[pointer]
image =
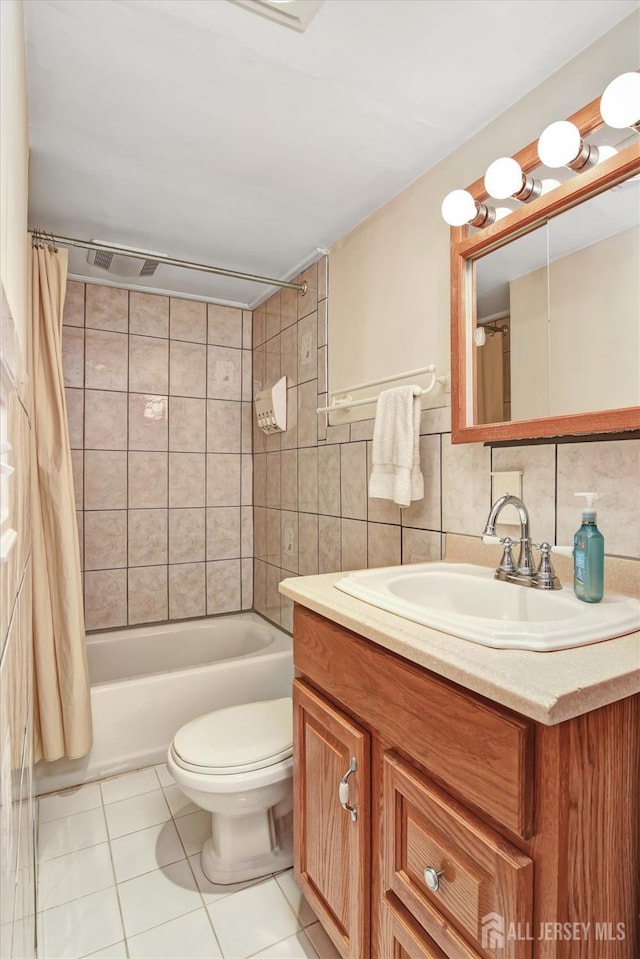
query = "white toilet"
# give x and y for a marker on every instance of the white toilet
(237, 764)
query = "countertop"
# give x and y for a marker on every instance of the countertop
(548, 687)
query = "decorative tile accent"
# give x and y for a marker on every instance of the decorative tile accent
(308, 349)
(224, 373)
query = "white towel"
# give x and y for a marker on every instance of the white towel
(396, 471)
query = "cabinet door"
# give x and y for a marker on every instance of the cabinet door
(331, 842)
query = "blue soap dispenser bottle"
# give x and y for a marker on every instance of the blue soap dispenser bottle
(588, 555)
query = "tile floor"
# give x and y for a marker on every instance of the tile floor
(119, 876)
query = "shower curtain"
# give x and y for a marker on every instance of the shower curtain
(490, 390)
(62, 711)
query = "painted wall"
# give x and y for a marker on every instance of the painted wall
(18, 808)
(158, 399)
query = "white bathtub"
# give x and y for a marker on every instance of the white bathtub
(148, 681)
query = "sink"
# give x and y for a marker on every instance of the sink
(468, 602)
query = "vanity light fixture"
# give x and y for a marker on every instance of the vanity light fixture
(620, 102)
(504, 178)
(560, 144)
(459, 209)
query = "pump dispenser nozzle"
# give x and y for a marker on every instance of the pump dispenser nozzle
(589, 507)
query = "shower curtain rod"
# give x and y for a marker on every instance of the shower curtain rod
(168, 260)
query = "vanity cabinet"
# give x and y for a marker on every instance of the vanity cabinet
(470, 832)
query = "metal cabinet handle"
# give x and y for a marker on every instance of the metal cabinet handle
(432, 878)
(343, 790)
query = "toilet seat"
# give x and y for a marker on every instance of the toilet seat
(236, 739)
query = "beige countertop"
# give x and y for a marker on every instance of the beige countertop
(548, 687)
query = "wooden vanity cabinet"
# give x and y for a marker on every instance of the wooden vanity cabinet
(467, 831)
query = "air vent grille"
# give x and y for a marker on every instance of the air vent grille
(149, 267)
(103, 259)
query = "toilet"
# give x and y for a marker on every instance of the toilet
(237, 763)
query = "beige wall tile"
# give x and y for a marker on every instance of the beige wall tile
(148, 480)
(75, 416)
(187, 425)
(338, 434)
(107, 308)
(246, 531)
(289, 439)
(105, 598)
(272, 360)
(420, 546)
(224, 325)
(105, 420)
(148, 365)
(307, 415)
(260, 586)
(106, 361)
(273, 315)
(223, 532)
(149, 314)
(309, 302)
(148, 422)
(425, 513)
(247, 376)
(247, 342)
(308, 349)
(274, 606)
(288, 308)
(289, 354)
(259, 325)
(289, 540)
(329, 480)
(466, 490)
(188, 320)
(274, 479)
(274, 537)
(105, 480)
(105, 539)
(308, 544)
(322, 371)
(289, 479)
(260, 532)
(187, 591)
(73, 356)
(384, 510)
(260, 479)
(223, 479)
(247, 428)
(246, 481)
(329, 544)
(286, 610)
(353, 480)
(73, 314)
(323, 277)
(223, 586)
(224, 426)
(354, 544)
(322, 323)
(538, 466)
(308, 480)
(147, 537)
(246, 567)
(77, 467)
(186, 479)
(80, 525)
(436, 420)
(224, 373)
(188, 369)
(383, 545)
(148, 594)
(187, 535)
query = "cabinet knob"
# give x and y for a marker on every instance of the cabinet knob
(432, 878)
(343, 791)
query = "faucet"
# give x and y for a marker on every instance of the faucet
(524, 571)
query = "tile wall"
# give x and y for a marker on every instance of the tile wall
(17, 803)
(311, 509)
(159, 405)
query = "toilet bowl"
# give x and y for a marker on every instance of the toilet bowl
(237, 764)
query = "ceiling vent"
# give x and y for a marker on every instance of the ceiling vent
(125, 266)
(295, 14)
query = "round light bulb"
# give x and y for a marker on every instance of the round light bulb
(502, 211)
(559, 144)
(620, 102)
(458, 208)
(606, 152)
(480, 336)
(548, 184)
(503, 178)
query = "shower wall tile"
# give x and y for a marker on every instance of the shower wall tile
(73, 314)
(224, 325)
(308, 348)
(73, 356)
(77, 468)
(289, 540)
(223, 586)
(260, 532)
(329, 480)
(246, 532)
(187, 320)
(308, 480)
(274, 495)
(187, 591)
(148, 364)
(148, 532)
(186, 479)
(148, 421)
(247, 376)
(289, 479)
(187, 535)
(329, 544)
(105, 598)
(260, 479)
(223, 479)
(322, 324)
(307, 416)
(148, 594)
(224, 373)
(260, 586)
(274, 605)
(224, 421)
(274, 537)
(107, 308)
(105, 539)
(149, 314)
(288, 308)
(258, 326)
(308, 544)
(223, 532)
(272, 361)
(106, 364)
(148, 480)
(105, 480)
(188, 369)
(105, 420)
(246, 566)
(246, 481)
(289, 354)
(272, 315)
(246, 330)
(308, 303)
(187, 424)
(247, 428)
(289, 439)
(75, 416)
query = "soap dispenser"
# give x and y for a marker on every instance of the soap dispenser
(588, 555)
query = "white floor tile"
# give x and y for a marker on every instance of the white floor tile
(61, 836)
(74, 875)
(211, 892)
(131, 784)
(80, 927)
(117, 951)
(138, 812)
(295, 947)
(165, 777)
(194, 830)
(252, 920)
(158, 897)
(188, 937)
(178, 802)
(321, 942)
(296, 900)
(145, 850)
(71, 801)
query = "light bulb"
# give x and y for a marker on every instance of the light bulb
(502, 211)
(606, 152)
(549, 183)
(458, 208)
(620, 102)
(559, 144)
(480, 336)
(503, 178)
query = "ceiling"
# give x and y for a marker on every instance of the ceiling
(196, 129)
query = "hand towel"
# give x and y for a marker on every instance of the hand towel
(396, 471)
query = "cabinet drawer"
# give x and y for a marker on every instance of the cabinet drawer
(407, 940)
(482, 879)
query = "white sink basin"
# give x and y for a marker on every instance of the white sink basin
(468, 602)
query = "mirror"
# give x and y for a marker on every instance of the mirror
(546, 303)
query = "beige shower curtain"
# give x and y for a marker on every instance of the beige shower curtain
(61, 683)
(490, 392)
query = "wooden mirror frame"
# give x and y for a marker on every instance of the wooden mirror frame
(467, 247)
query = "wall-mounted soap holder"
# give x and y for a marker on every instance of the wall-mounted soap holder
(271, 407)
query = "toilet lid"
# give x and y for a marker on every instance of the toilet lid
(238, 738)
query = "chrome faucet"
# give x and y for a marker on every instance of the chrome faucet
(523, 571)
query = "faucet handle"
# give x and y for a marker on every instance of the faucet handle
(545, 574)
(507, 563)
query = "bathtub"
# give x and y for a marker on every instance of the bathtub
(148, 681)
